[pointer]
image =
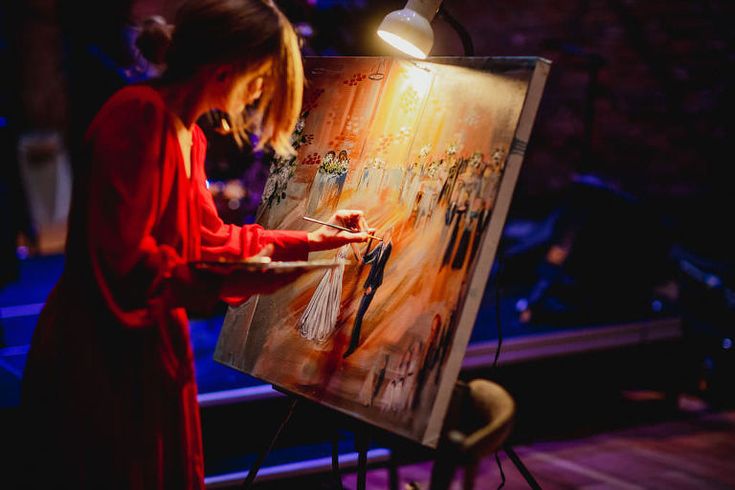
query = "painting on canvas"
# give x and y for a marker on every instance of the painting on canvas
(431, 152)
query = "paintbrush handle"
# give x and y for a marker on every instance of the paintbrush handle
(332, 225)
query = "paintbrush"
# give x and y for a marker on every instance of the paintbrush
(339, 227)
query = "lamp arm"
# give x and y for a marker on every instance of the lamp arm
(464, 35)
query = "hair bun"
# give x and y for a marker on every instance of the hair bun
(154, 39)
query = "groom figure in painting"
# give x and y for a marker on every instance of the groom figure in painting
(377, 258)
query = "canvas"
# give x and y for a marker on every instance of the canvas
(430, 151)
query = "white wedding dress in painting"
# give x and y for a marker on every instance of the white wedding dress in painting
(320, 316)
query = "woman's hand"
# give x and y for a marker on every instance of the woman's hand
(239, 285)
(326, 238)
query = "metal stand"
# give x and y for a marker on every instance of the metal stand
(362, 442)
(264, 454)
(522, 468)
(335, 461)
(393, 478)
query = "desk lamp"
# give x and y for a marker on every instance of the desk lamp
(409, 29)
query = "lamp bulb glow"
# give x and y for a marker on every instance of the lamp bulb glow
(401, 44)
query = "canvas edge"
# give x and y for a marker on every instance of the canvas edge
(244, 313)
(489, 246)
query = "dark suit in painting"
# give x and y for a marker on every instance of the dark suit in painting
(480, 228)
(377, 258)
(458, 217)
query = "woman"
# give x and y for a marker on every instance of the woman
(109, 389)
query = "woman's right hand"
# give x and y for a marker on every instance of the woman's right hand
(327, 238)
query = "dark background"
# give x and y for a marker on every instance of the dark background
(640, 93)
(628, 173)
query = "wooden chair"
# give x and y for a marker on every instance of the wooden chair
(479, 420)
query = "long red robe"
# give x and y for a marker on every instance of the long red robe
(109, 387)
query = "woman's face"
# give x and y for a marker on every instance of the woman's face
(245, 88)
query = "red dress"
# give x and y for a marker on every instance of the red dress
(109, 388)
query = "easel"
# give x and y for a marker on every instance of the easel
(293, 403)
(362, 443)
(447, 457)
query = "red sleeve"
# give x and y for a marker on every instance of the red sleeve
(236, 242)
(126, 143)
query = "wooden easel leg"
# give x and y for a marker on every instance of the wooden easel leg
(393, 478)
(362, 442)
(335, 461)
(470, 473)
(264, 454)
(442, 472)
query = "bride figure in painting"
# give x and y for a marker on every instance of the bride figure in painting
(320, 316)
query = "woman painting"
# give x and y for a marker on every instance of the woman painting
(109, 390)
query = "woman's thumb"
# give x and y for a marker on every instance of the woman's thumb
(265, 252)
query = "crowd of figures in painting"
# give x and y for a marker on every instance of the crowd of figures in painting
(458, 190)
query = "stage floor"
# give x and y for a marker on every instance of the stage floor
(690, 451)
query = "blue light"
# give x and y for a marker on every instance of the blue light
(712, 281)
(22, 252)
(727, 343)
(207, 183)
(522, 304)
(656, 305)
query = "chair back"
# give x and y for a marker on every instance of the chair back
(479, 420)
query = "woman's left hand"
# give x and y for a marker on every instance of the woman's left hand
(326, 238)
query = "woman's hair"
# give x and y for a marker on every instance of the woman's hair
(245, 34)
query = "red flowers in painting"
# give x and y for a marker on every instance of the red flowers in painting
(312, 159)
(356, 78)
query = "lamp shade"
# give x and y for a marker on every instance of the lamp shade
(409, 29)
